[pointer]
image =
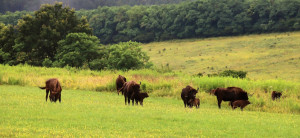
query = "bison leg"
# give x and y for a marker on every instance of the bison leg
(47, 92)
(219, 103)
(125, 99)
(60, 98)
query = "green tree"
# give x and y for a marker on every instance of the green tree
(7, 37)
(127, 55)
(38, 35)
(78, 49)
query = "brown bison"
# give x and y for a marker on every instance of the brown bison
(54, 87)
(131, 90)
(194, 102)
(119, 83)
(140, 98)
(240, 103)
(276, 95)
(187, 94)
(230, 94)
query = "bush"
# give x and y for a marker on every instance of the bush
(233, 73)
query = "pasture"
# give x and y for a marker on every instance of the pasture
(24, 113)
(263, 56)
(158, 84)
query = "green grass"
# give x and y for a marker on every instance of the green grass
(158, 84)
(265, 56)
(24, 113)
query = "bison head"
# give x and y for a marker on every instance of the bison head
(212, 92)
(136, 88)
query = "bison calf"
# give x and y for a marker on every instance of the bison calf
(194, 102)
(54, 87)
(140, 98)
(276, 95)
(240, 103)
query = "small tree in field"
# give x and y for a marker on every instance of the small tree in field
(127, 55)
(77, 49)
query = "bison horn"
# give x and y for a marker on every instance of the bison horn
(140, 83)
(197, 89)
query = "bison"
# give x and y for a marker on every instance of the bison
(240, 103)
(187, 94)
(230, 94)
(54, 87)
(119, 83)
(131, 90)
(194, 102)
(140, 98)
(276, 95)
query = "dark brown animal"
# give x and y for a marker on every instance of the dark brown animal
(187, 94)
(131, 90)
(140, 98)
(276, 95)
(230, 94)
(119, 83)
(54, 87)
(240, 103)
(194, 102)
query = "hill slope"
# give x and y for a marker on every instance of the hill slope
(266, 56)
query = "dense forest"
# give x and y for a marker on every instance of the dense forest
(38, 37)
(30, 5)
(54, 36)
(186, 20)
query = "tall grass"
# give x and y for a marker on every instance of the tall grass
(264, 56)
(158, 84)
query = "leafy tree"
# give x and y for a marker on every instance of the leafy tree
(7, 37)
(78, 49)
(127, 55)
(38, 35)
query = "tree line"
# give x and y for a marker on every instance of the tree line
(54, 36)
(31, 5)
(193, 19)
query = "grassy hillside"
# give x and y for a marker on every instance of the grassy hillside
(24, 113)
(266, 56)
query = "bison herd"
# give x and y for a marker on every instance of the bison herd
(236, 96)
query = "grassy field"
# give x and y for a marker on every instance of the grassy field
(159, 84)
(24, 113)
(265, 56)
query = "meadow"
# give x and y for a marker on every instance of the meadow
(91, 107)
(82, 113)
(159, 84)
(263, 56)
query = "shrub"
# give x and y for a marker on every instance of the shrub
(233, 73)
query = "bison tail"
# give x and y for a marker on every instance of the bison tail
(42, 87)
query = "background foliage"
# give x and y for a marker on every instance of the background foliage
(188, 19)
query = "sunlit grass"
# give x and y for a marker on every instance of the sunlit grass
(265, 56)
(158, 84)
(24, 113)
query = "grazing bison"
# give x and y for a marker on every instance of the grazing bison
(131, 90)
(140, 98)
(119, 83)
(276, 95)
(240, 103)
(187, 94)
(194, 102)
(54, 87)
(230, 94)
